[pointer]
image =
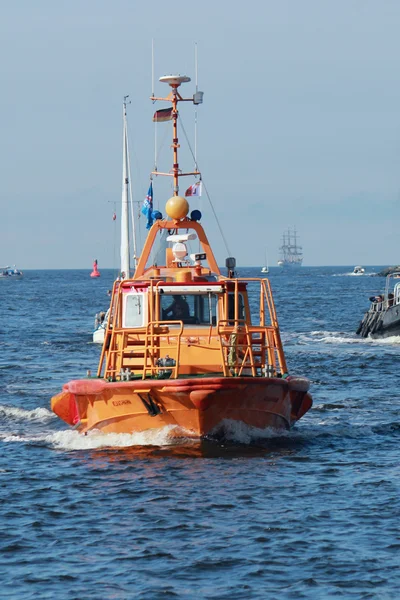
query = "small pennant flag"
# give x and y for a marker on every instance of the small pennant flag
(194, 190)
(165, 114)
(147, 208)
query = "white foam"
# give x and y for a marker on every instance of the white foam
(329, 337)
(21, 414)
(392, 340)
(236, 431)
(73, 440)
(352, 274)
(338, 337)
(13, 438)
(70, 439)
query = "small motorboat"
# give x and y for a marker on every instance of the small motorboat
(181, 347)
(358, 270)
(10, 272)
(382, 319)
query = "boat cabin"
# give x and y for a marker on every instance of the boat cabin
(192, 318)
(198, 305)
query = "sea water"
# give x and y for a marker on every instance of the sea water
(311, 513)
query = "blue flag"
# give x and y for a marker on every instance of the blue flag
(147, 208)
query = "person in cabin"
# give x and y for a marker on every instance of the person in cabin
(178, 309)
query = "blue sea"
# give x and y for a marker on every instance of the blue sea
(312, 513)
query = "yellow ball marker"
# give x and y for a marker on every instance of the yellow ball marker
(177, 207)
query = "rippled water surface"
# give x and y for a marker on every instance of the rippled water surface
(313, 513)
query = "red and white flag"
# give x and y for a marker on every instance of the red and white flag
(194, 190)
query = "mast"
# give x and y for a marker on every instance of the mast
(174, 81)
(135, 256)
(125, 267)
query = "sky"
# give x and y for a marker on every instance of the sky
(300, 125)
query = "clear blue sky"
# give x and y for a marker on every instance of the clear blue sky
(300, 124)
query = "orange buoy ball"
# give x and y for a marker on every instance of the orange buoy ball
(177, 207)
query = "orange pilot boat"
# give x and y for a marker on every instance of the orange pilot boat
(181, 347)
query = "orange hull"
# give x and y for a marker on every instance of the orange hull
(197, 406)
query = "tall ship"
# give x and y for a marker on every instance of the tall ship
(182, 349)
(291, 252)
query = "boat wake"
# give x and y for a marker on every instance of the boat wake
(232, 438)
(21, 414)
(73, 440)
(237, 432)
(340, 337)
(229, 431)
(351, 274)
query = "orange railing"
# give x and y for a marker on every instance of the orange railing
(246, 349)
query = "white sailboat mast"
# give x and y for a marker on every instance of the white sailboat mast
(125, 267)
(131, 208)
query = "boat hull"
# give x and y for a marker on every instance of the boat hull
(380, 324)
(197, 407)
(389, 324)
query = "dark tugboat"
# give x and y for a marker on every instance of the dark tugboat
(382, 319)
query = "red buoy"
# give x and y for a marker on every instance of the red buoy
(95, 272)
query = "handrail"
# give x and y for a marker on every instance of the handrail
(149, 347)
(241, 350)
(243, 346)
(114, 310)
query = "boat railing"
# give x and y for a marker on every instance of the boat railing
(154, 350)
(111, 317)
(249, 350)
(266, 336)
(150, 351)
(382, 305)
(376, 306)
(159, 339)
(265, 299)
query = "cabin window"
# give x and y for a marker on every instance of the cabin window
(192, 309)
(231, 307)
(133, 314)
